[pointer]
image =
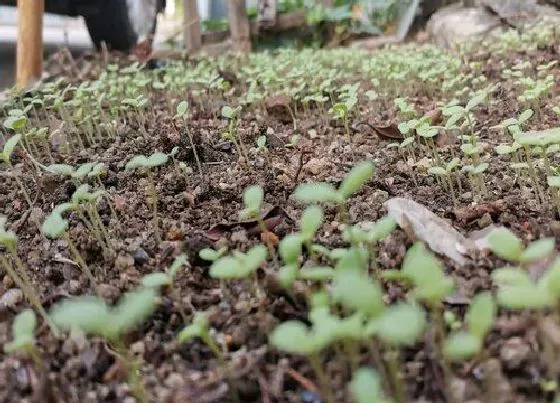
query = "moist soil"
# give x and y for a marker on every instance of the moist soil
(191, 205)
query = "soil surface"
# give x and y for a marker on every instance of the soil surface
(200, 209)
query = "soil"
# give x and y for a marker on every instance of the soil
(78, 368)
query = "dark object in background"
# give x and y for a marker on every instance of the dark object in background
(118, 23)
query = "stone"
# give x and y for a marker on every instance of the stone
(453, 24)
(140, 256)
(11, 298)
(514, 353)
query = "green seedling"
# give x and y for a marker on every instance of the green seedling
(311, 193)
(554, 186)
(480, 317)
(290, 250)
(166, 279)
(6, 155)
(232, 116)
(19, 275)
(55, 226)
(147, 164)
(366, 387)
(86, 199)
(182, 112)
(311, 220)
(199, 328)
(94, 317)
(446, 172)
(23, 339)
(212, 255)
(506, 245)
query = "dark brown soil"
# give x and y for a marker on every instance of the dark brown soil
(82, 369)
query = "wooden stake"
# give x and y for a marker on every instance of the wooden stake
(192, 34)
(30, 41)
(239, 26)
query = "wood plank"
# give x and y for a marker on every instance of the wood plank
(192, 30)
(29, 57)
(239, 26)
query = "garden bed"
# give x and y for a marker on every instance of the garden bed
(278, 121)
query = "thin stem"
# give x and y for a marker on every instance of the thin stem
(317, 366)
(78, 257)
(153, 194)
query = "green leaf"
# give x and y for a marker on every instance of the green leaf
(15, 122)
(476, 100)
(156, 280)
(481, 314)
(209, 254)
(138, 161)
(356, 291)
(366, 386)
(61, 169)
(24, 324)
(89, 314)
(440, 171)
(54, 225)
(261, 142)
(198, 328)
(381, 229)
(461, 346)
(290, 248)
(134, 308)
(311, 221)
(9, 147)
(83, 170)
(253, 198)
(227, 268)
(524, 297)
(525, 116)
(228, 112)
(157, 159)
(177, 264)
(505, 244)
(317, 193)
(182, 108)
(401, 324)
(287, 275)
(318, 273)
(480, 168)
(553, 181)
(538, 250)
(255, 257)
(293, 337)
(513, 276)
(453, 110)
(503, 149)
(356, 178)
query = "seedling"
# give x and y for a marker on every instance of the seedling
(211, 254)
(480, 317)
(147, 164)
(232, 115)
(446, 172)
(6, 155)
(166, 279)
(182, 112)
(94, 317)
(19, 275)
(55, 226)
(366, 387)
(23, 339)
(506, 245)
(311, 193)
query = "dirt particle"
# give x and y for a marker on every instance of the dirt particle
(140, 256)
(11, 298)
(514, 353)
(124, 262)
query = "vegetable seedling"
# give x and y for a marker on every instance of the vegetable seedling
(506, 245)
(94, 317)
(166, 279)
(182, 111)
(23, 339)
(6, 155)
(147, 164)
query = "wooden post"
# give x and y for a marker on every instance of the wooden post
(239, 26)
(29, 59)
(192, 34)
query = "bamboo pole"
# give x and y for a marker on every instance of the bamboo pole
(239, 26)
(192, 32)
(29, 58)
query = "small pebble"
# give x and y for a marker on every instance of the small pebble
(514, 353)
(11, 298)
(308, 396)
(141, 256)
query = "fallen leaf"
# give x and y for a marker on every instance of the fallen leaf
(437, 233)
(271, 220)
(269, 238)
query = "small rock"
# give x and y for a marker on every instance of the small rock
(138, 348)
(239, 236)
(74, 287)
(122, 263)
(485, 220)
(109, 292)
(514, 353)
(11, 298)
(7, 281)
(140, 256)
(309, 396)
(175, 381)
